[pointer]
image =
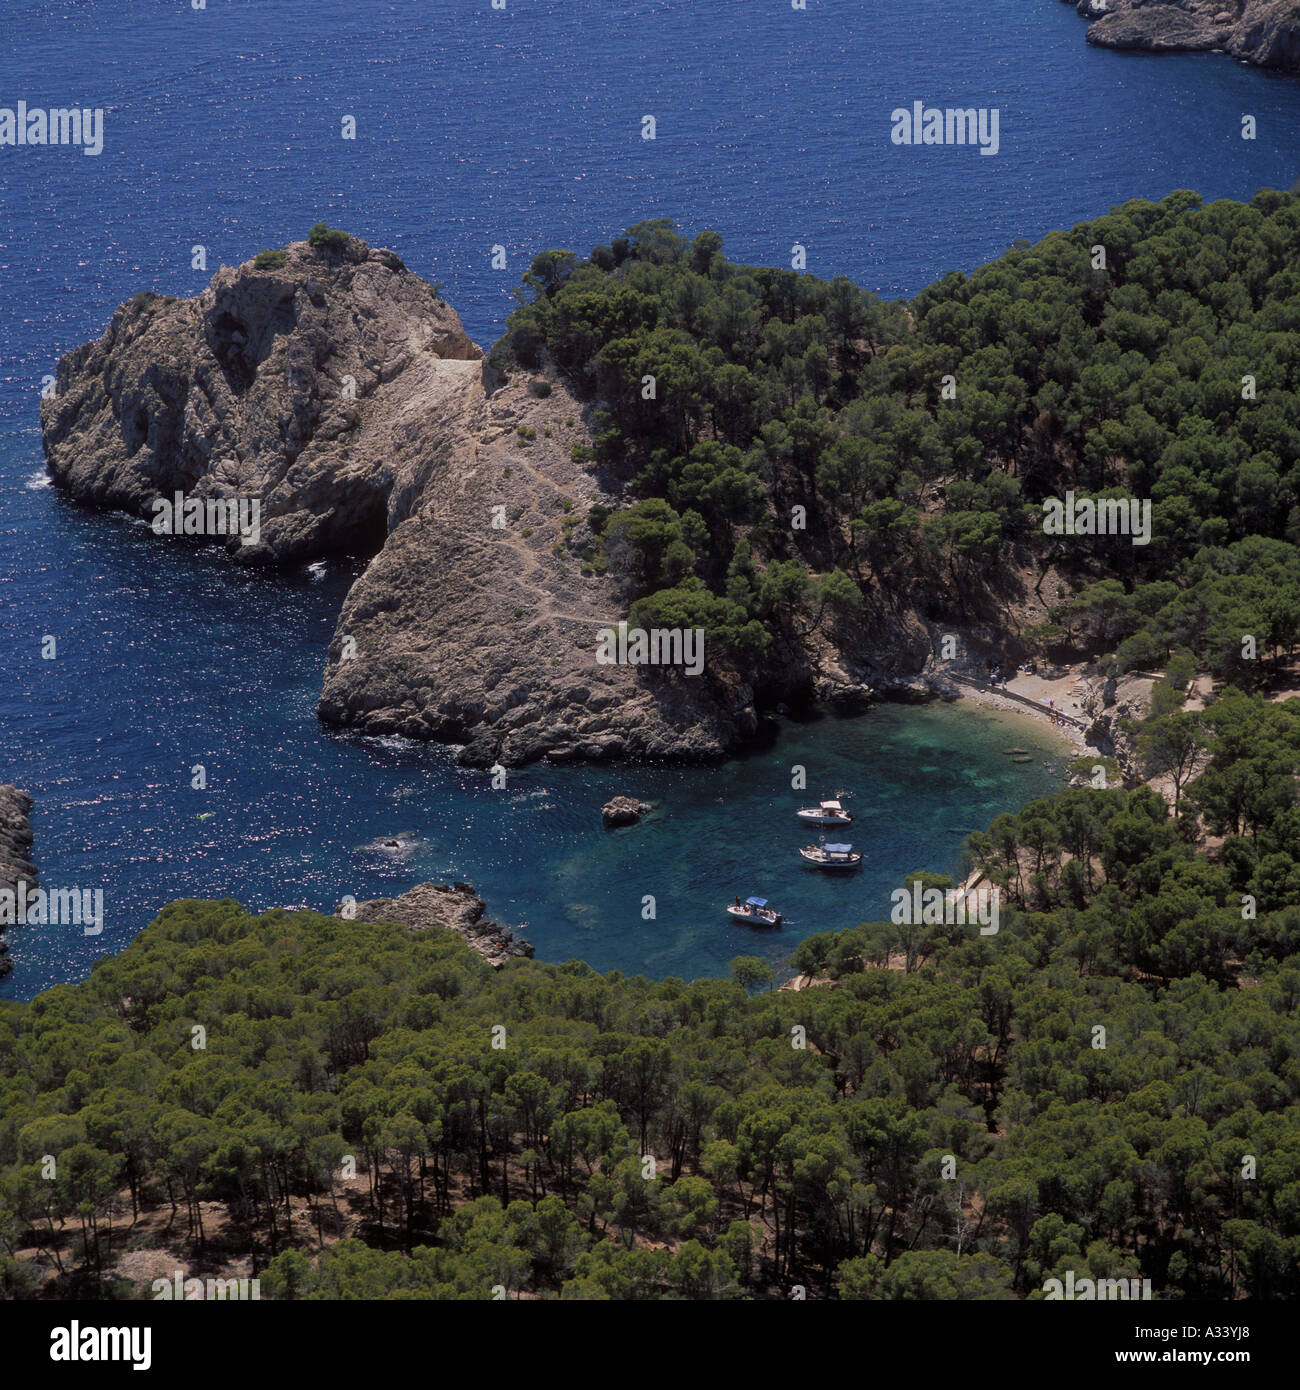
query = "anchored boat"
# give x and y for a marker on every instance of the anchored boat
(825, 813)
(756, 911)
(824, 856)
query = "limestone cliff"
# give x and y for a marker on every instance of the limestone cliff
(1263, 32)
(340, 391)
(286, 385)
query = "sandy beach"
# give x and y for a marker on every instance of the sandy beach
(1061, 693)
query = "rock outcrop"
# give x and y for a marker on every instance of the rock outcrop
(15, 851)
(287, 385)
(456, 907)
(1115, 706)
(1263, 32)
(335, 387)
(623, 810)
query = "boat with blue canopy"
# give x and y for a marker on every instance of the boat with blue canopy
(756, 911)
(824, 856)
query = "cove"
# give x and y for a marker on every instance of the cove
(170, 657)
(167, 657)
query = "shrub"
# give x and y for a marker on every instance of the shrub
(323, 238)
(392, 260)
(270, 260)
(540, 388)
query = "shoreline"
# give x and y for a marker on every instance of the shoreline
(1068, 734)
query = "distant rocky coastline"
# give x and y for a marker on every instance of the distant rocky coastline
(15, 851)
(456, 907)
(1263, 32)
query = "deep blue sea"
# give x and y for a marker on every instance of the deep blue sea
(520, 127)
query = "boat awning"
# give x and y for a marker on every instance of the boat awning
(831, 806)
(755, 902)
(839, 849)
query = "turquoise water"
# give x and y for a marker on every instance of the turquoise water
(172, 659)
(519, 127)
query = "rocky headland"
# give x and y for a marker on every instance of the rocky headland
(1263, 32)
(457, 908)
(336, 387)
(15, 851)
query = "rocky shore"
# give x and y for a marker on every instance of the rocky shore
(1263, 32)
(15, 851)
(456, 907)
(336, 388)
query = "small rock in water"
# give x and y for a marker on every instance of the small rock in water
(624, 810)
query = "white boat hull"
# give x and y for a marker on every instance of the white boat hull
(851, 862)
(753, 919)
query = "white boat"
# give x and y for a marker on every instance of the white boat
(825, 813)
(754, 910)
(824, 856)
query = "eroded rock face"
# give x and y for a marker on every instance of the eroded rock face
(340, 392)
(1263, 32)
(1115, 706)
(15, 852)
(283, 385)
(475, 624)
(456, 907)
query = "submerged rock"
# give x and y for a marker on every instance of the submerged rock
(456, 907)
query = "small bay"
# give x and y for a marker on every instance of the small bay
(170, 658)
(518, 128)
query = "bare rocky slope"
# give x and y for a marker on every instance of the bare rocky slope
(1263, 32)
(15, 851)
(457, 908)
